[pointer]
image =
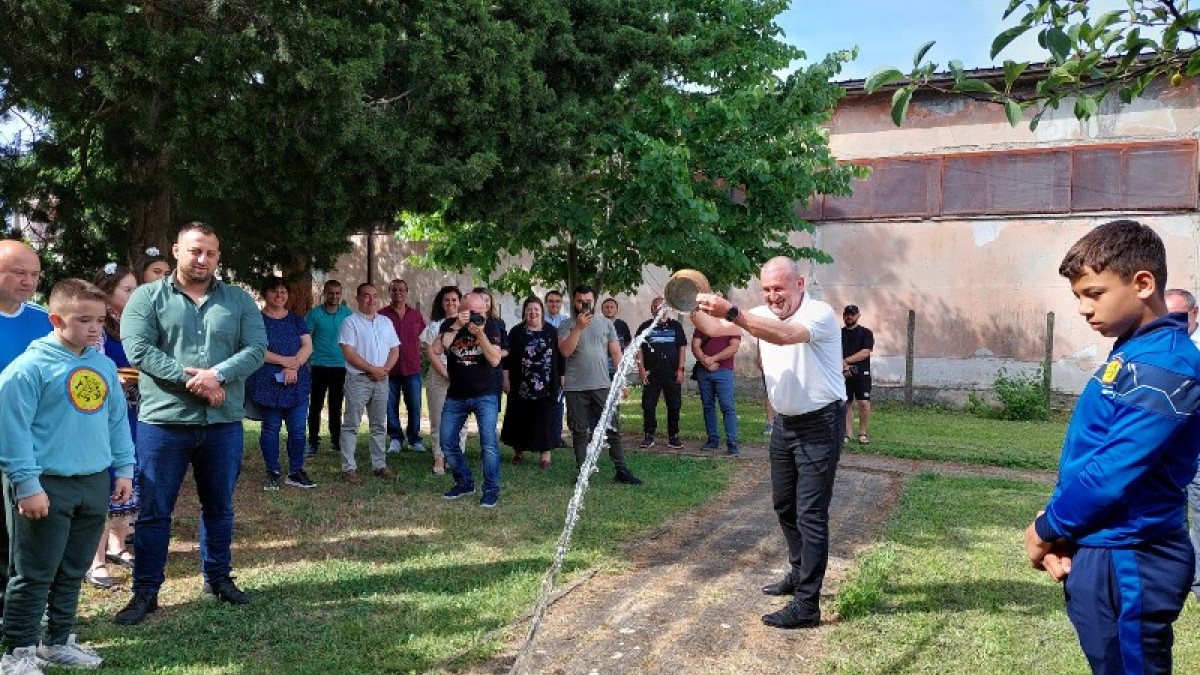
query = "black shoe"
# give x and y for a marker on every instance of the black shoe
(793, 616)
(623, 476)
(785, 586)
(137, 609)
(223, 589)
(674, 443)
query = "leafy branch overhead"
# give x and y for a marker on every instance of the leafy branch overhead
(1090, 55)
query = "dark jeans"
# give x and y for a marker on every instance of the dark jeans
(670, 388)
(454, 418)
(1193, 497)
(268, 438)
(408, 388)
(164, 453)
(332, 380)
(583, 414)
(51, 555)
(804, 454)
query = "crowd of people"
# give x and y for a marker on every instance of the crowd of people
(172, 360)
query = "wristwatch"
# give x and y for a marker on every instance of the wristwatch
(218, 376)
(732, 315)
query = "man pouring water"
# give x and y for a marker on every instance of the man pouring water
(800, 342)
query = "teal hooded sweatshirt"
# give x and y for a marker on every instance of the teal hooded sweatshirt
(61, 414)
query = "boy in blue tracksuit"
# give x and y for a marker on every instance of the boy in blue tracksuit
(1115, 528)
(64, 424)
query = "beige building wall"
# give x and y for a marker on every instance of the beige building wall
(981, 287)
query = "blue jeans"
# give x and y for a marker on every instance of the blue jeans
(454, 416)
(716, 387)
(268, 438)
(408, 387)
(164, 453)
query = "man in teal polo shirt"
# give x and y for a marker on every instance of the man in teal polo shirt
(328, 365)
(195, 340)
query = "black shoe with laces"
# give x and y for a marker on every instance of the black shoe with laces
(138, 608)
(623, 476)
(300, 479)
(224, 590)
(794, 615)
(674, 443)
(785, 586)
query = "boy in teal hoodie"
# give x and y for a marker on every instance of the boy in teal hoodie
(64, 425)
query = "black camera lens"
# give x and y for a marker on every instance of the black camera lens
(477, 318)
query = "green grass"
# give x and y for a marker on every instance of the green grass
(948, 590)
(899, 431)
(384, 577)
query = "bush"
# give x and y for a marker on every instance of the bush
(1022, 397)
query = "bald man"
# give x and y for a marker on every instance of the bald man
(801, 349)
(21, 322)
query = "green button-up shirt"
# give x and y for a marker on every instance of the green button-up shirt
(163, 331)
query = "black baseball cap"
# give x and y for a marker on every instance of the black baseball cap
(850, 309)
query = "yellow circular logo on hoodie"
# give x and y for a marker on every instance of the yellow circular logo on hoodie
(86, 388)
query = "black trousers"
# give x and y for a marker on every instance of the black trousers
(804, 454)
(331, 380)
(670, 388)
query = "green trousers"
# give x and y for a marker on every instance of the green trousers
(50, 556)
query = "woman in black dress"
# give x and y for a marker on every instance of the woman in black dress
(532, 378)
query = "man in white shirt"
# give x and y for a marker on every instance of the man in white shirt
(371, 347)
(801, 350)
(1181, 301)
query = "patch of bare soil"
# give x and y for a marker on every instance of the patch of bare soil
(691, 597)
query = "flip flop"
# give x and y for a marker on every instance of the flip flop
(101, 581)
(863, 440)
(123, 558)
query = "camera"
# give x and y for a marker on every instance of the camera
(586, 307)
(477, 319)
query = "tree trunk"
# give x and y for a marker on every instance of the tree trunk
(299, 280)
(153, 215)
(572, 270)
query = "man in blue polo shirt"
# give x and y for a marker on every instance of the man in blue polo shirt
(21, 322)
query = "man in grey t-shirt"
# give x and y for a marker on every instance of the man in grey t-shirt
(587, 341)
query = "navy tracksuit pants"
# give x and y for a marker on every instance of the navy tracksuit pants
(1123, 601)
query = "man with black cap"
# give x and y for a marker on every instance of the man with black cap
(857, 343)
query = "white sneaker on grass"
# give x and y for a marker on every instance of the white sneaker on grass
(394, 446)
(69, 655)
(22, 661)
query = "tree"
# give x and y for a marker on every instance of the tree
(1091, 55)
(702, 163)
(290, 126)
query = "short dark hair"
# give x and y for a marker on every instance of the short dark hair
(583, 289)
(1125, 247)
(331, 282)
(270, 283)
(358, 291)
(612, 300)
(553, 292)
(69, 291)
(197, 226)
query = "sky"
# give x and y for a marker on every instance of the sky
(889, 32)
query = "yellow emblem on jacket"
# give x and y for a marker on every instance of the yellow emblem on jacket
(1110, 371)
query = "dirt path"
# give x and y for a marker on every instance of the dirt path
(690, 599)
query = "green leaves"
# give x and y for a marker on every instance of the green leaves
(1012, 110)
(882, 77)
(1004, 39)
(900, 101)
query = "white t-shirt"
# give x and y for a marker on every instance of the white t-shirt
(805, 377)
(433, 331)
(1195, 336)
(371, 338)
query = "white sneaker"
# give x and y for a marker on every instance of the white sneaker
(394, 446)
(22, 661)
(69, 655)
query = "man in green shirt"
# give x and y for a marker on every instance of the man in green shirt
(195, 340)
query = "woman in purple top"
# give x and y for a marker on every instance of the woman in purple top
(280, 388)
